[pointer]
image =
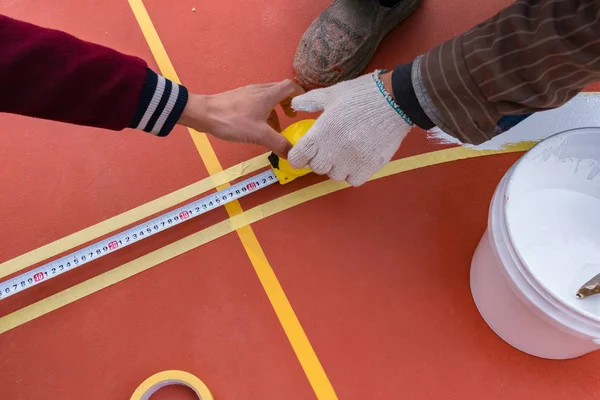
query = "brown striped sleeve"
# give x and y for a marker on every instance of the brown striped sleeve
(534, 55)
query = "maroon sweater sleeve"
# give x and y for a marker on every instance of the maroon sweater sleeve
(50, 74)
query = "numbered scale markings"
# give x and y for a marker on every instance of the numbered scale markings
(135, 234)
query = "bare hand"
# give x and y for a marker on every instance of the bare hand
(244, 115)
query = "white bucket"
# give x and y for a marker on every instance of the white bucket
(542, 243)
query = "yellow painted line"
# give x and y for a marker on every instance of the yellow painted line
(131, 216)
(168, 71)
(237, 222)
(151, 35)
(207, 154)
(283, 309)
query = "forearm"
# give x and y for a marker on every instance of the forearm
(50, 74)
(534, 55)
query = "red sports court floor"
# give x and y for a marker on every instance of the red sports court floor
(374, 299)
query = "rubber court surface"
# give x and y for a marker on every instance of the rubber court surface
(363, 293)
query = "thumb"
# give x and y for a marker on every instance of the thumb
(306, 149)
(275, 142)
(313, 101)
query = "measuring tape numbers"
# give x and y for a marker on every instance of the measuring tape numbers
(135, 234)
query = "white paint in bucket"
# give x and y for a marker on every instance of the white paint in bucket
(541, 245)
(556, 232)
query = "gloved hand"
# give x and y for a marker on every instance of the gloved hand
(357, 134)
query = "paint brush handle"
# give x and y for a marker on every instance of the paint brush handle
(590, 288)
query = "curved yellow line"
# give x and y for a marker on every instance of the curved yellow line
(223, 228)
(158, 205)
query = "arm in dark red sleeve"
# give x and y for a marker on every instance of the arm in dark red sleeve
(49, 74)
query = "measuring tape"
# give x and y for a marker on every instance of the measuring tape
(280, 171)
(135, 234)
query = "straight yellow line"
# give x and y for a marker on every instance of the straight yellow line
(151, 35)
(283, 309)
(289, 321)
(131, 216)
(168, 71)
(237, 222)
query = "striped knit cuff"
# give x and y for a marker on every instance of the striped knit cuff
(160, 106)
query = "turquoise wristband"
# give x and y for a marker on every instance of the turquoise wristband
(389, 97)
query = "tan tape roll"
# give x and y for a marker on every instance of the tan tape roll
(172, 377)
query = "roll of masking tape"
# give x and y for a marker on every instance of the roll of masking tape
(167, 378)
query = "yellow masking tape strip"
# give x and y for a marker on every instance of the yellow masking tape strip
(129, 217)
(172, 377)
(308, 359)
(255, 214)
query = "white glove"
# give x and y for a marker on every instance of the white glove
(357, 134)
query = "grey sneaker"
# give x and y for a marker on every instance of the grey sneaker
(341, 41)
